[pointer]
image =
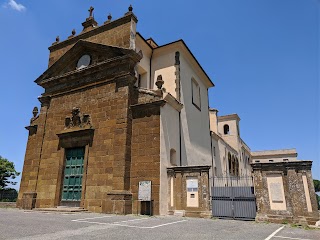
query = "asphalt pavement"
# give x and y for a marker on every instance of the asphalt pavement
(33, 225)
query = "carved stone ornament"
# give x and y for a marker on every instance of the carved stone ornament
(77, 119)
(159, 82)
(35, 114)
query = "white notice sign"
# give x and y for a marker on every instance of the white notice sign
(144, 191)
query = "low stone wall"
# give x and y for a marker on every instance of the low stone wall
(7, 204)
(188, 188)
(285, 192)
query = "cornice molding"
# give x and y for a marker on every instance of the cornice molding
(282, 166)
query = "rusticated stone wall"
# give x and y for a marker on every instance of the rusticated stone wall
(177, 190)
(97, 108)
(33, 154)
(108, 107)
(285, 192)
(145, 152)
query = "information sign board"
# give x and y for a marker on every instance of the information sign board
(144, 191)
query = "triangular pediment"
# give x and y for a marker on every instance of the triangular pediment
(69, 62)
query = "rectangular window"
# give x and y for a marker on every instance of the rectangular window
(196, 97)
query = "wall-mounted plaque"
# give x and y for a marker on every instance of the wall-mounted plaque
(144, 191)
(276, 192)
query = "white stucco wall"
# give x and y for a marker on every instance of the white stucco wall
(169, 139)
(245, 163)
(279, 155)
(196, 147)
(233, 137)
(268, 159)
(213, 121)
(144, 64)
(163, 64)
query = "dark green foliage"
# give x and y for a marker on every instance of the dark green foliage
(316, 185)
(7, 173)
(8, 195)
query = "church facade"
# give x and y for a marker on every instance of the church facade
(116, 112)
(119, 111)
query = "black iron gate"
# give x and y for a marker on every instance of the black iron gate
(233, 197)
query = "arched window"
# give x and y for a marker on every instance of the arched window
(233, 165)
(229, 163)
(237, 167)
(173, 157)
(226, 129)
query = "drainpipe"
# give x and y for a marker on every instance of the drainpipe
(178, 95)
(180, 145)
(212, 158)
(150, 64)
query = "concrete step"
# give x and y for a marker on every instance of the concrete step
(61, 209)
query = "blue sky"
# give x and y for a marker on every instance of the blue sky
(262, 55)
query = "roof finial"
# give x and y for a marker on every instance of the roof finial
(57, 39)
(130, 8)
(90, 11)
(90, 23)
(73, 33)
(109, 19)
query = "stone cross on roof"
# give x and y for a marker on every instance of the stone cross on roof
(90, 11)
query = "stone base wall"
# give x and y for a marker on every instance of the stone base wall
(283, 219)
(177, 203)
(28, 200)
(145, 153)
(8, 205)
(285, 192)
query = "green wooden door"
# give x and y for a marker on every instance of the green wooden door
(72, 182)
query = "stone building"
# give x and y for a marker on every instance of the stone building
(232, 156)
(120, 112)
(117, 110)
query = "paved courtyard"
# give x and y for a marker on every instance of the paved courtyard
(18, 224)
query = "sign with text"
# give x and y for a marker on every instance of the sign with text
(144, 191)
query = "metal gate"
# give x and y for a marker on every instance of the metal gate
(233, 197)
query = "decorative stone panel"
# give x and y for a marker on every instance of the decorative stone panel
(285, 192)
